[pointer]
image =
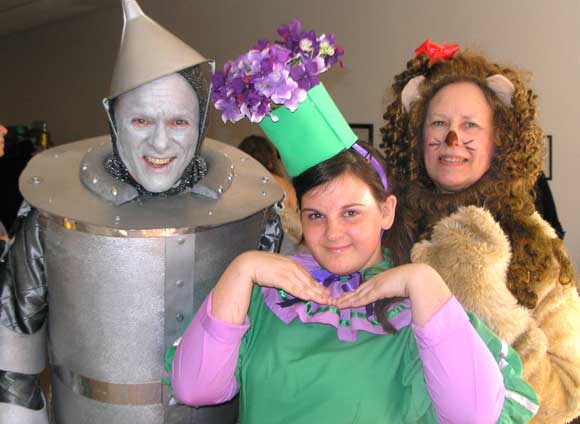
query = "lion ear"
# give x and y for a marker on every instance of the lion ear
(502, 87)
(410, 92)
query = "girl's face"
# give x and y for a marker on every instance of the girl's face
(458, 136)
(342, 224)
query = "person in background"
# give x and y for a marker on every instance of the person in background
(463, 137)
(3, 234)
(264, 152)
(3, 132)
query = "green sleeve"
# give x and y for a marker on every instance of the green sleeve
(521, 402)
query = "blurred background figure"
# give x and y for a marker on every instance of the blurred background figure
(18, 144)
(264, 152)
(3, 132)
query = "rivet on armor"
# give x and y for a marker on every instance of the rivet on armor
(230, 177)
(220, 189)
(95, 180)
(265, 179)
(179, 283)
(180, 240)
(36, 180)
(264, 193)
(232, 166)
(114, 191)
(210, 213)
(85, 166)
(117, 218)
(179, 317)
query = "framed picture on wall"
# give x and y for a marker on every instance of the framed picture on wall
(364, 132)
(548, 159)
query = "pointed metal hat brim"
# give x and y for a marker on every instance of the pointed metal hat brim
(147, 52)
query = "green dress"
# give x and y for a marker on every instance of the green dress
(302, 373)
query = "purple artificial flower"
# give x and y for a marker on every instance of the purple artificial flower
(278, 85)
(218, 79)
(273, 74)
(261, 44)
(298, 96)
(305, 74)
(279, 53)
(256, 112)
(230, 108)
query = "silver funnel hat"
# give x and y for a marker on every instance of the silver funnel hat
(147, 53)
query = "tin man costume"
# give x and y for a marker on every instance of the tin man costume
(122, 242)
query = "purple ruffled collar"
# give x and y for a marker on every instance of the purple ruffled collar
(348, 322)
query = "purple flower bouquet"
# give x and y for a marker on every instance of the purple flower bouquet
(273, 74)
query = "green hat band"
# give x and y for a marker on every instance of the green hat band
(313, 133)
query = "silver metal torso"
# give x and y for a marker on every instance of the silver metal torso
(124, 281)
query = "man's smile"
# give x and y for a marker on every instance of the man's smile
(155, 162)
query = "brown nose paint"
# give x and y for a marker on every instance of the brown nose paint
(451, 138)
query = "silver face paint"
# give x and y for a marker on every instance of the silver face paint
(158, 131)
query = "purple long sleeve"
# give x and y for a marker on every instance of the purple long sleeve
(206, 358)
(462, 377)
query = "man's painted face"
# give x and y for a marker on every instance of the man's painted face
(158, 131)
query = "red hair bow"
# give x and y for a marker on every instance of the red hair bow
(435, 51)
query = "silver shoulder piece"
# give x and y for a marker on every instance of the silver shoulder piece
(236, 187)
(95, 177)
(219, 176)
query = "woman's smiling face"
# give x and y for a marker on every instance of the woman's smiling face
(458, 136)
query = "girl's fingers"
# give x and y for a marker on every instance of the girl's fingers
(299, 283)
(360, 297)
(316, 292)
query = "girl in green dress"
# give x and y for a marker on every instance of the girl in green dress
(350, 332)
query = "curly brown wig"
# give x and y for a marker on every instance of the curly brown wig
(506, 189)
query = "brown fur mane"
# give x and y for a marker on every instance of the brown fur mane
(505, 190)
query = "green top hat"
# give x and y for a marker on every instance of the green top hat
(313, 133)
(276, 84)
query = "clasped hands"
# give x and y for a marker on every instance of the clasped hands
(281, 272)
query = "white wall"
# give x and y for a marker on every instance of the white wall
(60, 72)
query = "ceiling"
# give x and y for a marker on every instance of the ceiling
(20, 15)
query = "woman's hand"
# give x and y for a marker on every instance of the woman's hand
(232, 293)
(421, 283)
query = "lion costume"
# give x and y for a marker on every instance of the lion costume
(497, 255)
